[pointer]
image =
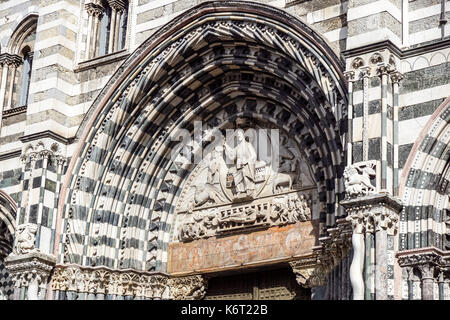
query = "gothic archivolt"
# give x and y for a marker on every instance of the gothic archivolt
(126, 147)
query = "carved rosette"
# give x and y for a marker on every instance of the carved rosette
(188, 288)
(28, 267)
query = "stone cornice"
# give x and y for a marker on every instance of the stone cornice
(373, 199)
(102, 60)
(14, 111)
(10, 155)
(402, 53)
(46, 134)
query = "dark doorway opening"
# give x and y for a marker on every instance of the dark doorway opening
(276, 284)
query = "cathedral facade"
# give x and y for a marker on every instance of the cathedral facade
(172, 149)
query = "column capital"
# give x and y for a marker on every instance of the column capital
(309, 272)
(188, 288)
(373, 213)
(10, 59)
(383, 69)
(349, 75)
(118, 5)
(417, 257)
(94, 10)
(396, 76)
(31, 266)
(365, 71)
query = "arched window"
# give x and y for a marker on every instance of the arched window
(16, 65)
(26, 75)
(107, 25)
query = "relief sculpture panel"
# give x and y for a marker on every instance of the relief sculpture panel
(241, 206)
(233, 189)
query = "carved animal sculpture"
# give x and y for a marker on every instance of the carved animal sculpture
(285, 179)
(356, 183)
(205, 193)
(25, 239)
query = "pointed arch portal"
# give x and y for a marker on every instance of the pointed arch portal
(240, 60)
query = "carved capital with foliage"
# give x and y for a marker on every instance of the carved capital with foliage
(188, 288)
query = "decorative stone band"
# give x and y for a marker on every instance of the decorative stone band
(373, 213)
(430, 255)
(14, 111)
(29, 267)
(127, 282)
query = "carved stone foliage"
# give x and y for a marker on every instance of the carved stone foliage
(373, 213)
(138, 284)
(10, 59)
(312, 271)
(224, 196)
(29, 267)
(357, 179)
(41, 150)
(188, 288)
(106, 281)
(309, 272)
(425, 257)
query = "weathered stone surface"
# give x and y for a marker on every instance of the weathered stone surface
(257, 248)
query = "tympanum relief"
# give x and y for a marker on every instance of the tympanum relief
(234, 188)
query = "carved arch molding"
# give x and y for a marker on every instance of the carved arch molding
(230, 65)
(8, 210)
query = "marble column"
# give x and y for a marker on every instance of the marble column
(365, 71)
(95, 13)
(396, 77)
(372, 213)
(427, 271)
(350, 75)
(425, 263)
